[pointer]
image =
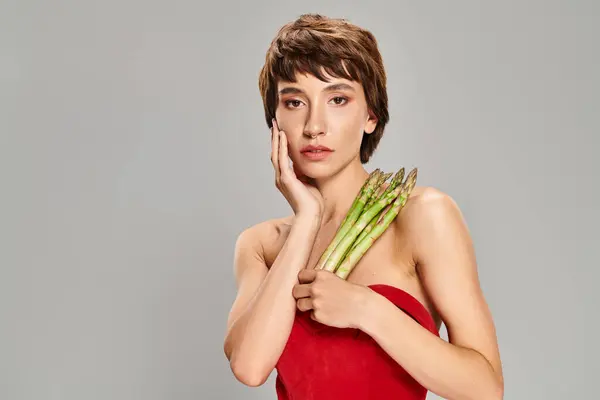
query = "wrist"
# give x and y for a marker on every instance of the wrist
(370, 311)
(312, 219)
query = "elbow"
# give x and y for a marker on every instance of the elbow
(491, 391)
(249, 379)
(244, 369)
(248, 374)
(499, 390)
(497, 394)
(494, 393)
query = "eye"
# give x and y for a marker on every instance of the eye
(343, 99)
(295, 103)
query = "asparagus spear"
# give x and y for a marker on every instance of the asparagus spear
(352, 233)
(352, 215)
(363, 246)
(364, 232)
(380, 189)
(370, 226)
(362, 191)
(396, 180)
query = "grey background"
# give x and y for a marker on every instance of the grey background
(133, 150)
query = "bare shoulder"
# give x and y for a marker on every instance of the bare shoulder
(427, 194)
(265, 237)
(274, 239)
(427, 206)
(426, 199)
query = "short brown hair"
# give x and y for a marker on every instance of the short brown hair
(343, 50)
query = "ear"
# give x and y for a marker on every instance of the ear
(371, 123)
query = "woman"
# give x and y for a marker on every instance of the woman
(375, 334)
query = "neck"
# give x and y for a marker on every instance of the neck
(340, 190)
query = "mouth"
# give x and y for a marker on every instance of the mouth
(316, 155)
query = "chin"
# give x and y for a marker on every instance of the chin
(318, 170)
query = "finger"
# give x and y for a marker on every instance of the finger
(301, 290)
(275, 149)
(304, 304)
(284, 161)
(307, 275)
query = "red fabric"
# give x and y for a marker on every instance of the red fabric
(321, 362)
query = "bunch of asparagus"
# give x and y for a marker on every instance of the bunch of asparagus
(374, 208)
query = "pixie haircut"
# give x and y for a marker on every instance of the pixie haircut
(313, 43)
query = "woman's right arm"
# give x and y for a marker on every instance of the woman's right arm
(262, 315)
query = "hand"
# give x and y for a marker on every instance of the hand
(303, 197)
(333, 300)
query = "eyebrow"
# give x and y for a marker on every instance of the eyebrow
(330, 88)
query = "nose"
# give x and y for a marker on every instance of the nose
(315, 125)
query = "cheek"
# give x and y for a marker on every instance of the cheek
(293, 148)
(351, 120)
(353, 132)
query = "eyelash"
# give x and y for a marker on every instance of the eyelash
(337, 97)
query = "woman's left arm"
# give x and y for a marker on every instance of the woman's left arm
(468, 366)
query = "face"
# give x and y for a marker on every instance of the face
(332, 114)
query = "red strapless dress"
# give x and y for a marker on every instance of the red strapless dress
(321, 362)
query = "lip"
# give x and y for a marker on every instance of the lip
(312, 147)
(309, 153)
